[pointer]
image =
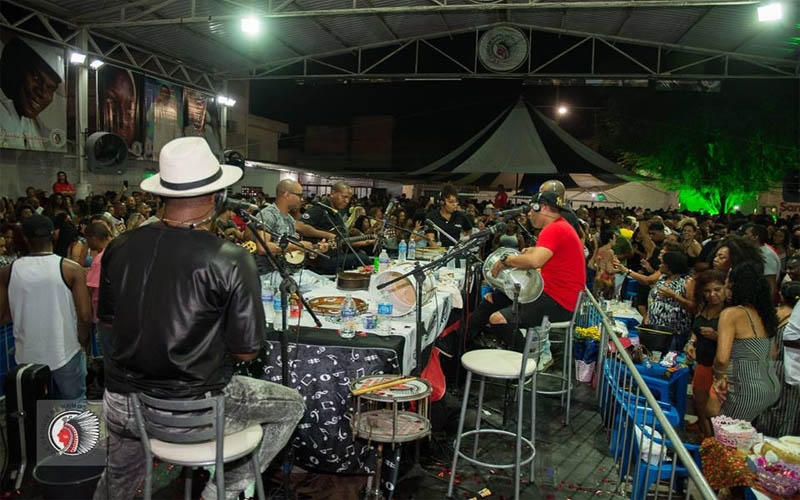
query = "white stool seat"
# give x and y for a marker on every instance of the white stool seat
(236, 445)
(497, 363)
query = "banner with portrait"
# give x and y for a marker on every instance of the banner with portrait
(163, 104)
(201, 119)
(119, 92)
(33, 102)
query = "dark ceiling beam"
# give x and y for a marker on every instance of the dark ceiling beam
(424, 9)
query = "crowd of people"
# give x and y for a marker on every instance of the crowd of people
(724, 286)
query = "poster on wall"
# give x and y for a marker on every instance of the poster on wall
(201, 119)
(163, 104)
(119, 92)
(33, 104)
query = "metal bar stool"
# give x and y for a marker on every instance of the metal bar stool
(506, 365)
(160, 422)
(565, 377)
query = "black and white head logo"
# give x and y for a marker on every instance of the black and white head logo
(74, 432)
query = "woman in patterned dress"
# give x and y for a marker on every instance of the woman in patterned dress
(670, 301)
(745, 380)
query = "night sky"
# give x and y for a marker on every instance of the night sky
(432, 118)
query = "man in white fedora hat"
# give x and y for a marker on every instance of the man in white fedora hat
(178, 300)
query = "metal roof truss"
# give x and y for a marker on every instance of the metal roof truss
(587, 55)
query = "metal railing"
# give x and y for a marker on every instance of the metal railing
(650, 456)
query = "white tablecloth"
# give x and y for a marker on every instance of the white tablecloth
(435, 312)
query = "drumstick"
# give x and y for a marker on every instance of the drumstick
(383, 385)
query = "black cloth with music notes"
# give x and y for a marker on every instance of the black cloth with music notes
(322, 366)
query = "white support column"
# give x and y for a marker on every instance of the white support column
(223, 119)
(82, 114)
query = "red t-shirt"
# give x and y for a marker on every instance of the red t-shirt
(500, 200)
(60, 187)
(564, 274)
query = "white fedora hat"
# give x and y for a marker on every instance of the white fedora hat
(187, 167)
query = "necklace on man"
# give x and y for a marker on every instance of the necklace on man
(189, 224)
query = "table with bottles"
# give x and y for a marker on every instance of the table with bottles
(322, 364)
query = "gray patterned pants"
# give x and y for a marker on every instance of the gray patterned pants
(248, 401)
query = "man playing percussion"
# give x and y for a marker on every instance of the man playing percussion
(559, 255)
(318, 223)
(288, 197)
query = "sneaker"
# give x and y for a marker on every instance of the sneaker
(545, 361)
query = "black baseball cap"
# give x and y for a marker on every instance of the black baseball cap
(547, 198)
(37, 226)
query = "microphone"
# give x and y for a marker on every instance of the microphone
(327, 207)
(235, 204)
(489, 231)
(513, 212)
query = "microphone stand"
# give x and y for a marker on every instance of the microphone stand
(288, 285)
(419, 277)
(343, 238)
(442, 231)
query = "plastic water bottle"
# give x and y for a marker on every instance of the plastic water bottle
(348, 314)
(384, 313)
(412, 249)
(402, 248)
(383, 258)
(266, 300)
(277, 308)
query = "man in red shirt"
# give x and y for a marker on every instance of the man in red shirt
(559, 255)
(501, 198)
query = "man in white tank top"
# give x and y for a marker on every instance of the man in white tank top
(46, 297)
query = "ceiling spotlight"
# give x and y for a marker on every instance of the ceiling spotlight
(770, 12)
(95, 64)
(251, 25)
(77, 58)
(226, 101)
(563, 110)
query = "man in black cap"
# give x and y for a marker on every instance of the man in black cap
(45, 295)
(558, 254)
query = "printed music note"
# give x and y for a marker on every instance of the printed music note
(359, 372)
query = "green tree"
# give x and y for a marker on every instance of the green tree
(717, 148)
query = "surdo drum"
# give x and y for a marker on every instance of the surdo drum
(403, 294)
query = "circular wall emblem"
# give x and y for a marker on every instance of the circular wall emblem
(74, 432)
(58, 138)
(503, 49)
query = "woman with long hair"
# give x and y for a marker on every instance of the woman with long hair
(745, 381)
(63, 185)
(709, 301)
(732, 250)
(781, 418)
